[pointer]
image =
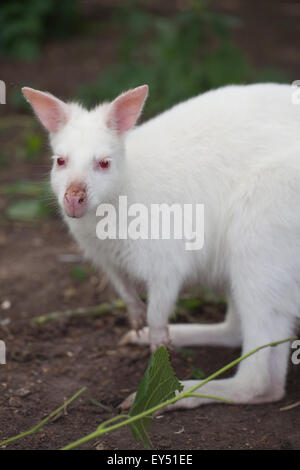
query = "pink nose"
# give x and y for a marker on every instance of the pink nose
(75, 200)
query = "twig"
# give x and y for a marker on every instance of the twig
(44, 421)
(102, 429)
(100, 405)
(96, 310)
(101, 309)
(290, 407)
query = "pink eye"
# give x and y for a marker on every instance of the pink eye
(61, 161)
(104, 164)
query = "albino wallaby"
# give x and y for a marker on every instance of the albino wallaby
(236, 150)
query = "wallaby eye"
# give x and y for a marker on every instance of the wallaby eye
(104, 163)
(61, 161)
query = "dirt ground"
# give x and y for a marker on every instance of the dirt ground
(49, 363)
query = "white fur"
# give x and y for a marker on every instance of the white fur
(237, 151)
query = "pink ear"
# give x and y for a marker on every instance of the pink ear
(125, 110)
(52, 112)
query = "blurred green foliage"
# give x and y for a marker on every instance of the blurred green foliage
(4, 160)
(197, 373)
(178, 56)
(35, 202)
(27, 210)
(78, 273)
(33, 146)
(25, 188)
(25, 25)
(81, 273)
(16, 99)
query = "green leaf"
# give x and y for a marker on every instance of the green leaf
(158, 385)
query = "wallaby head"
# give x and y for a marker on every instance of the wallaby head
(88, 146)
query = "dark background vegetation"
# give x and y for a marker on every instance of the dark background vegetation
(91, 51)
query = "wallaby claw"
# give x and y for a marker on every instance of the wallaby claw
(160, 338)
(135, 337)
(138, 324)
(128, 402)
(167, 344)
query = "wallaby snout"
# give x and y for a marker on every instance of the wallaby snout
(75, 200)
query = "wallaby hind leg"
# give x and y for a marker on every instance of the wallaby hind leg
(227, 333)
(261, 377)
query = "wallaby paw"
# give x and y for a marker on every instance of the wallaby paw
(167, 344)
(157, 338)
(135, 337)
(138, 322)
(160, 338)
(128, 402)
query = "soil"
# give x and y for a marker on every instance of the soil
(47, 364)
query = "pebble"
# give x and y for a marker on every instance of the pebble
(6, 304)
(23, 392)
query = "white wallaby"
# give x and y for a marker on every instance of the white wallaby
(237, 151)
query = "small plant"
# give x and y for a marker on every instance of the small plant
(40, 426)
(156, 391)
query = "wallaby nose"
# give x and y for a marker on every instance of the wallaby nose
(75, 200)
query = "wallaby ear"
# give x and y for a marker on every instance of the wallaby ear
(52, 112)
(124, 111)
